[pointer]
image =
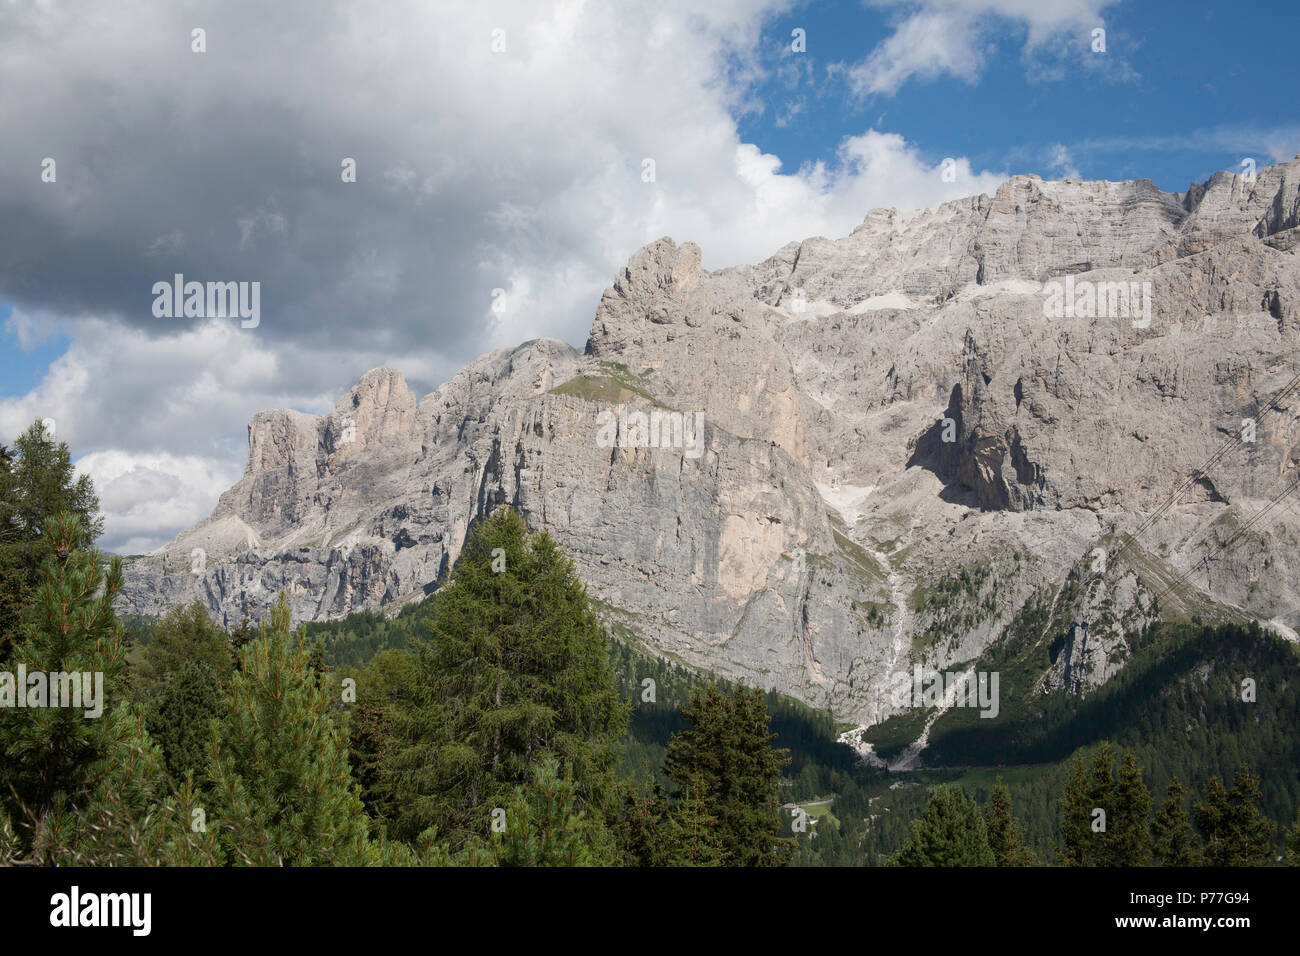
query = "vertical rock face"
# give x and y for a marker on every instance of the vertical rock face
(911, 437)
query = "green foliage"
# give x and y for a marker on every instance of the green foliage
(180, 718)
(184, 634)
(355, 639)
(50, 752)
(543, 825)
(1232, 827)
(1172, 841)
(514, 671)
(281, 789)
(1005, 836)
(1125, 802)
(951, 832)
(37, 482)
(86, 790)
(1293, 844)
(1130, 838)
(725, 759)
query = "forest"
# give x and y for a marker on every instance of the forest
(503, 721)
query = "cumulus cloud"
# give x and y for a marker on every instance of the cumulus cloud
(147, 499)
(519, 171)
(933, 38)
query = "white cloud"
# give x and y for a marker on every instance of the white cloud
(147, 499)
(475, 171)
(953, 37)
(1061, 162)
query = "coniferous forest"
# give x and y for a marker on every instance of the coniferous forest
(499, 722)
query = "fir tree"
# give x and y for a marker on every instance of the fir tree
(1006, 839)
(185, 633)
(951, 832)
(726, 757)
(1130, 838)
(1172, 840)
(515, 671)
(180, 718)
(1234, 830)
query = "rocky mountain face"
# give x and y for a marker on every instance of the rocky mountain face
(1055, 404)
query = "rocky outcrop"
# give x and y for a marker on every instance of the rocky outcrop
(909, 434)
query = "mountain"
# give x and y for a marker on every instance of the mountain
(1069, 402)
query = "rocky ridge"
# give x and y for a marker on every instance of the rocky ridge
(901, 451)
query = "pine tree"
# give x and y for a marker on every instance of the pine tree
(86, 790)
(1129, 836)
(49, 752)
(1172, 840)
(515, 671)
(37, 481)
(1006, 839)
(131, 817)
(726, 756)
(281, 789)
(543, 826)
(951, 832)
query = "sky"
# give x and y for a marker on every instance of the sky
(516, 153)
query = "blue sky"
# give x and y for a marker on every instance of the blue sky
(21, 370)
(1183, 90)
(519, 172)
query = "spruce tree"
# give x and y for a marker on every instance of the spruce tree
(692, 836)
(1172, 841)
(1213, 819)
(951, 832)
(1130, 838)
(185, 633)
(726, 757)
(514, 671)
(1075, 811)
(1293, 844)
(1006, 839)
(282, 792)
(180, 718)
(1101, 795)
(1235, 831)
